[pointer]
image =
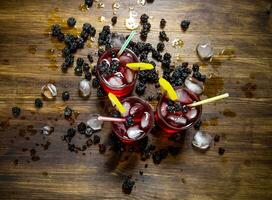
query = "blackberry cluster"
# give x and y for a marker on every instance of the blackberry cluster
(180, 73)
(71, 21)
(160, 46)
(104, 36)
(166, 61)
(140, 88)
(104, 67)
(115, 64)
(38, 103)
(162, 23)
(196, 73)
(148, 76)
(184, 24)
(163, 36)
(173, 107)
(65, 96)
(114, 20)
(16, 111)
(156, 55)
(145, 27)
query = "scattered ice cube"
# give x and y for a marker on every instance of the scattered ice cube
(145, 119)
(177, 119)
(49, 91)
(137, 107)
(184, 96)
(204, 50)
(127, 107)
(85, 87)
(129, 75)
(163, 109)
(115, 81)
(94, 123)
(117, 40)
(202, 140)
(191, 114)
(47, 130)
(194, 85)
(134, 132)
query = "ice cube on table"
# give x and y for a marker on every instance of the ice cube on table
(129, 75)
(145, 120)
(194, 85)
(191, 114)
(177, 119)
(115, 81)
(125, 58)
(134, 132)
(163, 109)
(202, 140)
(127, 107)
(94, 123)
(184, 97)
(136, 108)
(204, 50)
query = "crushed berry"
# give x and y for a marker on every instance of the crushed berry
(185, 24)
(144, 18)
(88, 76)
(221, 151)
(95, 83)
(96, 139)
(38, 103)
(16, 111)
(102, 148)
(71, 21)
(65, 96)
(89, 3)
(162, 23)
(128, 185)
(140, 88)
(70, 134)
(114, 20)
(216, 138)
(163, 36)
(160, 46)
(68, 112)
(81, 127)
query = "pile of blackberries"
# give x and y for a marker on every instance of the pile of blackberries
(145, 27)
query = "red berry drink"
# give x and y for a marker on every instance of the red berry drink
(113, 74)
(175, 116)
(139, 120)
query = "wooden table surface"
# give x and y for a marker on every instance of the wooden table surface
(243, 121)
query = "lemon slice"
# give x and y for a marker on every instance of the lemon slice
(140, 66)
(167, 87)
(115, 102)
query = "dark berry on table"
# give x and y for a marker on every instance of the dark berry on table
(38, 103)
(64, 67)
(86, 67)
(81, 127)
(160, 46)
(68, 112)
(89, 142)
(140, 88)
(65, 96)
(100, 92)
(56, 30)
(174, 150)
(16, 111)
(141, 172)
(78, 70)
(156, 156)
(162, 23)
(70, 134)
(66, 51)
(128, 185)
(195, 67)
(144, 18)
(80, 61)
(96, 139)
(90, 58)
(167, 56)
(114, 20)
(88, 76)
(143, 35)
(84, 35)
(156, 55)
(71, 21)
(102, 148)
(221, 151)
(69, 60)
(163, 36)
(185, 24)
(89, 3)
(79, 43)
(92, 31)
(197, 125)
(216, 138)
(164, 153)
(95, 83)
(146, 165)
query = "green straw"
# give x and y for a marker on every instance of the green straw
(131, 35)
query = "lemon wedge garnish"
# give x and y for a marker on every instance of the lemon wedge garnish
(115, 102)
(167, 87)
(140, 66)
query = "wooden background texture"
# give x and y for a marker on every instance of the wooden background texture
(243, 121)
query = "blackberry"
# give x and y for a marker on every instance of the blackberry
(102, 148)
(160, 46)
(16, 111)
(71, 21)
(94, 70)
(38, 103)
(164, 153)
(65, 96)
(197, 75)
(64, 67)
(68, 112)
(140, 88)
(157, 158)
(90, 58)
(148, 47)
(162, 23)
(165, 64)
(96, 139)
(144, 18)
(95, 83)
(195, 67)
(81, 127)
(66, 51)
(185, 24)
(170, 109)
(100, 92)
(156, 55)
(115, 65)
(78, 71)
(146, 27)
(114, 20)
(128, 185)
(88, 76)
(104, 67)
(143, 35)
(173, 150)
(56, 30)
(80, 61)
(167, 56)
(84, 35)
(89, 3)
(70, 134)
(92, 31)
(143, 56)
(113, 53)
(87, 27)
(69, 60)
(89, 142)
(86, 67)
(221, 151)
(197, 125)
(79, 43)
(100, 52)
(178, 106)
(69, 40)
(141, 172)
(61, 37)
(216, 138)
(129, 121)
(163, 36)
